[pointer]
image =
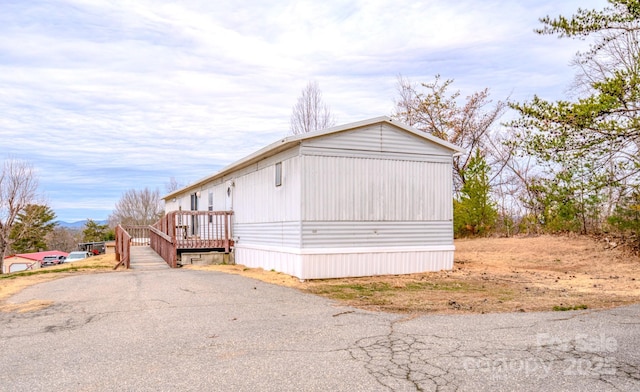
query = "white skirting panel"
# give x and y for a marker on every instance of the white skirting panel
(317, 265)
(267, 259)
(320, 266)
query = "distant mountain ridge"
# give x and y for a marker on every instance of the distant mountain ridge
(79, 224)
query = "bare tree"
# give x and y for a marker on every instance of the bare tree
(172, 185)
(63, 239)
(310, 113)
(18, 186)
(408, 102)
(436, 111)
(138, 207)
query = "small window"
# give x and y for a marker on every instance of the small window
(278, 173)
(194, 218)
(194, 201)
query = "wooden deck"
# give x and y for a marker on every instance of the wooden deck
(180, 230)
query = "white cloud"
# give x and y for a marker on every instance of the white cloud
(104, 96)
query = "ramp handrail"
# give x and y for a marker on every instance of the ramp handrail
(123, 248)
(162, 240)
(177, 230)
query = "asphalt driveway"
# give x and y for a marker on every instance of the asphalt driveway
(185, 330)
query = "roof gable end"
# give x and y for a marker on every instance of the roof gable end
(367, 126)
(382, 137)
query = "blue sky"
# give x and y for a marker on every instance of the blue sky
(102, 96)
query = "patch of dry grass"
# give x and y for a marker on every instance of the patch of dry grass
(13, 283)
(490, 275)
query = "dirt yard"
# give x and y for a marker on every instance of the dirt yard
(492, 275)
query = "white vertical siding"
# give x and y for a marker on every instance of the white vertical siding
(171, 205)
(219, 196)
(184, 200)
(282, 234)
(370, 200)
(258, 200)
(360, 189)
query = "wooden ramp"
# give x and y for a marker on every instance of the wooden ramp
(145, 258)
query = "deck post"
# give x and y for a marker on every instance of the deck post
(171, 222)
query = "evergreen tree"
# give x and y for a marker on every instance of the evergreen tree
(93, 232)
(626, 218)
(600, 131)
(32, 226)
(473, 212)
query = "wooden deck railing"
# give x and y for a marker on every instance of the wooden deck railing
(174, 231)
(139, 234)
(202, 229)
(163, 240)
(123, 247)
(191, 230)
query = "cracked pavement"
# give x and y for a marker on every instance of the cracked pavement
(166, 330)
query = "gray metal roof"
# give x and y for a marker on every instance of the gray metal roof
(290, 141)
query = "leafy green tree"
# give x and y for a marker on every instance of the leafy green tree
(474, 213)
(32, 226)
(602, 128)
(565, 202)
(626, 218)
(110, 235)
(94, 232)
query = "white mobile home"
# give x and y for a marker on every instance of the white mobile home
(367, 198)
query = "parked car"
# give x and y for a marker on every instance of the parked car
(77, 256)
(52, 260)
